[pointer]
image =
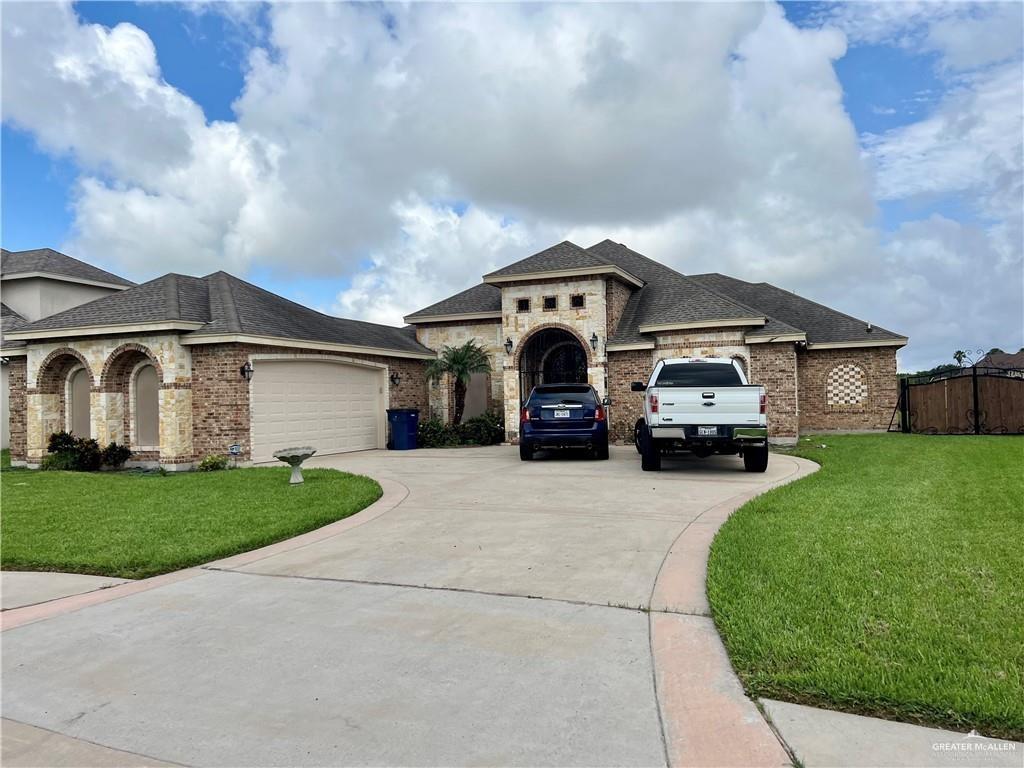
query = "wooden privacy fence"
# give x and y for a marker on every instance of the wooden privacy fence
(967, 401)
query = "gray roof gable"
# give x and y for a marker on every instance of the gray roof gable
(564, 255)
(480, 298)
(226, 305)
(822, 324)
(54, 262)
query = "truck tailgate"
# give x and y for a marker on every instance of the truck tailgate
(721, 405)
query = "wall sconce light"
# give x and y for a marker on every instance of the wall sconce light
(593, 342)
(395, 379)
(246, 370)
(508, 346)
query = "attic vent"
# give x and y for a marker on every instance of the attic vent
(577, 301)
(522, 305)
(550, 303)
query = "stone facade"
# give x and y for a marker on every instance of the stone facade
(834, 396)
(203, 401)
(437, 336)
(616, 296)
(582, 322)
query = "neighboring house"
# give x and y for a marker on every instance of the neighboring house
(38, 283)
(183, 367)
(1007, 361)
(606, 314)
(180, 367)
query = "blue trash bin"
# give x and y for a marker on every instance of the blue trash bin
(404, 426)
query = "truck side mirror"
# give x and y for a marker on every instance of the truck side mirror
(637, 386)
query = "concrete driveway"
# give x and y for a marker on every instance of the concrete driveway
(496, 613)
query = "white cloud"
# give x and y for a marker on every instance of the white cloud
(712, 136)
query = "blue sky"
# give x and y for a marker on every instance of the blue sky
(370, 214)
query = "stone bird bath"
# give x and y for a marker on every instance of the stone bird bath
(294, 458)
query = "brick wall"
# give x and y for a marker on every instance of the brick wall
(616, 296)
(626, 406)
(875, 379)
(16, 372)
(220, 396)
(774, 366)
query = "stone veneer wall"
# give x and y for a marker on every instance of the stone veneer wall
(518, 326)
(774, 366)
(626, 406)
(487, 334)
(43, 410)
(878, 375)
(16, 408)
(220, 396)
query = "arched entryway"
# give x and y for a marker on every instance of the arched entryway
(551, 356)
(132, 376)
(64, 384)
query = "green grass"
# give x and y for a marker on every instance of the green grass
(133, 524)
(5, 458)
(889, 583)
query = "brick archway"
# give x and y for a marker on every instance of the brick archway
(113, 366)
(524, 341)
(55, 367)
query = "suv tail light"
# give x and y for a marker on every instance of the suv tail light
(525, 415)
(764, 401)
(599, 413)
(654, 402)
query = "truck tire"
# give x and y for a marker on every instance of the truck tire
(636, 434)
(650, 456)
(755, 459)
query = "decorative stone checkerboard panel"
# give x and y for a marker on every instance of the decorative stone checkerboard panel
(846, 385)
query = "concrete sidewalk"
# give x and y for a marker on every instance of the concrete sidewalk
(22, 588)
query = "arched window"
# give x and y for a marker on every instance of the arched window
(79, 419)
(146, 407)
(846, 385)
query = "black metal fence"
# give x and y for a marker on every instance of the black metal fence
(964, 401)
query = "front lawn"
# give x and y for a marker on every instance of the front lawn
(889, 583)
(133, 524)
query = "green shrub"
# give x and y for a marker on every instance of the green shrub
(115, 455)
(486, 429)
(61, 442)
(434, 433)
(213, 463)
(70, 453)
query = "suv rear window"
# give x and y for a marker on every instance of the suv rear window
(567, 394)
(699, 375)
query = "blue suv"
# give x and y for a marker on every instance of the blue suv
(563, 416)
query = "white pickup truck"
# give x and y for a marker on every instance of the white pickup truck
(703, 405)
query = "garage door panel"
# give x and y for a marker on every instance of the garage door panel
(333, 407)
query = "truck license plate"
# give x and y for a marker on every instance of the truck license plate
(561, 414)
(707, 431)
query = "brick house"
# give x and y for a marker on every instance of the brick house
(606, 314)
(182, 367)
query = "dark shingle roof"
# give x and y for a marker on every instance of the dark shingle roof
(226, 305)
(669, 297)
(480, 298)
(565, 255)
(821, 324)
(1002, 360)
(9, 320)
(54, 263)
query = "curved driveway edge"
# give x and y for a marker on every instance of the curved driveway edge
(393, 493)
(707, 718)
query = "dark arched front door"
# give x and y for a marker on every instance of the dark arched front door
(551, 356)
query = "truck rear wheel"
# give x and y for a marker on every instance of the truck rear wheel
(755, 459)
(650, 456)
(636, 433)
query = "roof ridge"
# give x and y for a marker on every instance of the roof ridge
(171, 297)
(830, 309)
(227, 300)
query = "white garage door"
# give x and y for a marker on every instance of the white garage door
(333, 407)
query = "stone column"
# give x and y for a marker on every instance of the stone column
(511, 377)
(175, 426)
(42, 420)
(107, 411)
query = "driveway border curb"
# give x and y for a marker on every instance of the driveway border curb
(393, 493)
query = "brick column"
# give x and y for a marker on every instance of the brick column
(627, 406)
(16, 405)
(774, 367)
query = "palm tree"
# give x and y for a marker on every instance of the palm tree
(460, 363)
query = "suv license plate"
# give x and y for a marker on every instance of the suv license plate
(707, 431)
(561, 414)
